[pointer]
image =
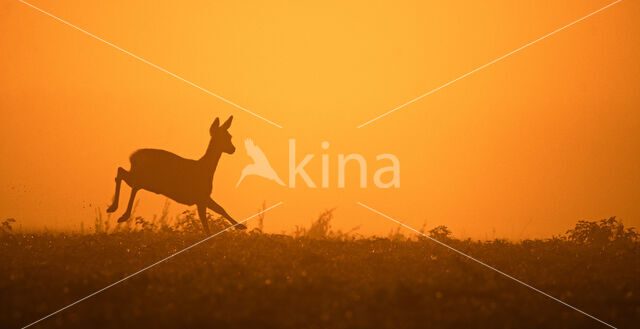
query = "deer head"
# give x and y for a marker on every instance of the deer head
(220, 135)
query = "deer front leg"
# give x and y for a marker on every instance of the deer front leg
(217, 208)
(127, 213)
(116, 197)
(202, 213)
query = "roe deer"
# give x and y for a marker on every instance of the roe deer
(184, 180)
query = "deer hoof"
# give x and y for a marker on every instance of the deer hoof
(241, 227)
(112, 208)
(123, 218)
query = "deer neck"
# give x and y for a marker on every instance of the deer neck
(211, 157)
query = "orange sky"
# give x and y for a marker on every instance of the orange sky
(523, 148)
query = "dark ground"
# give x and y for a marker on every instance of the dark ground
(243, 280)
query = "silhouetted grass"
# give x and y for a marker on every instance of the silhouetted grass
(315, 278)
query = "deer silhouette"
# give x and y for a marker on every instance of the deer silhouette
(183, 180)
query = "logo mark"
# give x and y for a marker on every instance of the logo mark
(260, 165)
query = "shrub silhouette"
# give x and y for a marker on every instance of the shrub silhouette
(601, 232)
(440, 233)
(319, 229)
(5, 226)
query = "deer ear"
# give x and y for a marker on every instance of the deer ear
(214, 125)
(227, 123)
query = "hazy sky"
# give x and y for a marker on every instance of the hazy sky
(523, 148)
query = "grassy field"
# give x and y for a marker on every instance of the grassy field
(315, 278)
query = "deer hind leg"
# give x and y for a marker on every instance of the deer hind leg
(127, 212)
(202, 213)
(122, 174)
(217, 208)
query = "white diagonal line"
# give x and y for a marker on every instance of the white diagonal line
(152, 265)
(153, 65)
(483, 264)
(485, 65)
